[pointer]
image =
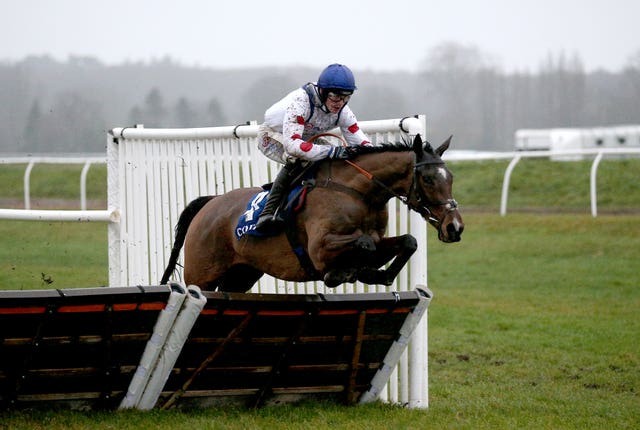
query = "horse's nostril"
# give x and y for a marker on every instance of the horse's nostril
(454, 231)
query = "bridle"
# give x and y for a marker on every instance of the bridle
(423, 203)
(415, 199)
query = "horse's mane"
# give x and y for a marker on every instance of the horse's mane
(385, 147)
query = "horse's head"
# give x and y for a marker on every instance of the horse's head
(431, 194)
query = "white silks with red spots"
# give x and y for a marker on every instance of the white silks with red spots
(292, 118)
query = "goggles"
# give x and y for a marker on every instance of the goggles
(338, 97)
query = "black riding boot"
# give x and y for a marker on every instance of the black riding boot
(271, 216)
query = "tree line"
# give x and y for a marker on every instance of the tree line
(47, 106)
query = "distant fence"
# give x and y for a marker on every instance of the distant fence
(87, 160)
(566, 155)
(109, 216)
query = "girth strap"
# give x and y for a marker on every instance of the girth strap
(292, 236)
(292, 232)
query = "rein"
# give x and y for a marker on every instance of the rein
(422, 201)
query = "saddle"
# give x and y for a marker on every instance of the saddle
(247, 221)
(294, 202)
(296, 199)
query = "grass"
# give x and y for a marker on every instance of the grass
(37, 255)
(540, 316)
(534, 323)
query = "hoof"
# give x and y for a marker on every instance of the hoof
(334, 278)
(374, 277)
(331, 280)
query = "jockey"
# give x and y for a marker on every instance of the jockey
(312, 109)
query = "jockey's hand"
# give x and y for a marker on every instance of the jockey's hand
(341, 153)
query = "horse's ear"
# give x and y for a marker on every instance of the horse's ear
(444, 146)
(417, 145)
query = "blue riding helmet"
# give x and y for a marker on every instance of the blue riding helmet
(338, 77)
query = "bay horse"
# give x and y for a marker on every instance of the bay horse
(340, 227)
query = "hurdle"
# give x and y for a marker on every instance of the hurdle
(73, 347)
(154, 173)
(170, 347)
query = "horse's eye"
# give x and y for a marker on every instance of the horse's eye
(428, 180)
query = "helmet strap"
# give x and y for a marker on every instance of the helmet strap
(323, 100)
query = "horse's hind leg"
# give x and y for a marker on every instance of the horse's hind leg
(239, 279)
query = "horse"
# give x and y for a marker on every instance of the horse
(339, 230)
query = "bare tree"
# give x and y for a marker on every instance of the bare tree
(214, 115)
(451, 74)
(153, 112)
(264, 92)
(185, 114)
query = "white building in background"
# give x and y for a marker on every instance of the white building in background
(566, 139)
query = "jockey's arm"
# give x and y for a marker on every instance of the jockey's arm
(351, 130)
(294, 144)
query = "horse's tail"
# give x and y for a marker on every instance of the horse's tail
(184, 221)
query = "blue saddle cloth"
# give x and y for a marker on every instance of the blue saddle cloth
(249, 218)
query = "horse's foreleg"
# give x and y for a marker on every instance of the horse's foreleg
(400, 247)
(335, 249)
(343, 242)
(357, 257)
(341, 253)
(337, 276)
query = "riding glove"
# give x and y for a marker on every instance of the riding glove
(341, 153)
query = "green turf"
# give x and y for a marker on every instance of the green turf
(37, 255)
(534, 322)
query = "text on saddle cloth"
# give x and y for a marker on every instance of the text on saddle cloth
(249, 218)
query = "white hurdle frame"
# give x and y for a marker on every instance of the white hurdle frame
(154, 173)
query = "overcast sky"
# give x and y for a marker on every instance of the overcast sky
(378, 35)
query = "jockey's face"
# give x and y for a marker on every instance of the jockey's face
(335, 101)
